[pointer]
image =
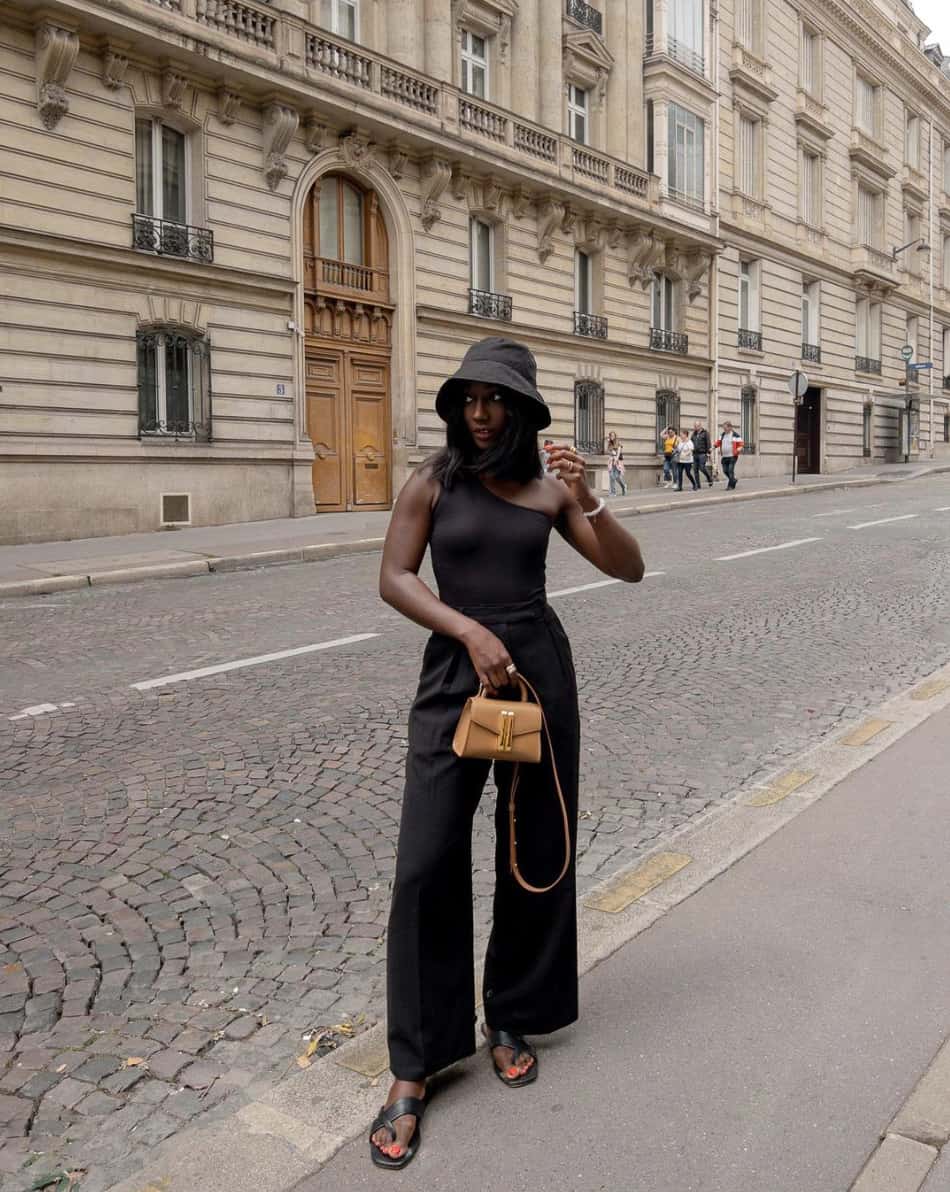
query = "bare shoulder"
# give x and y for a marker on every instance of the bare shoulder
(556, 494)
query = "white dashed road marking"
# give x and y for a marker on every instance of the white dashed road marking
(38, 710)
(882, 521)
(603, 583)
(240, 663)
(765, 549)
(834, 512)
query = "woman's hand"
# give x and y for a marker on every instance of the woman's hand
(569, 467)
(489, 657)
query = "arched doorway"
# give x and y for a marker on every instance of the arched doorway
(348, 320)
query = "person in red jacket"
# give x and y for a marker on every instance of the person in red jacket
(730, 447)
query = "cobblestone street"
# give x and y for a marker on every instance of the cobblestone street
(196, 876)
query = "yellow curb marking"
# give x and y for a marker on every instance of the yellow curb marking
(929, 689)
(631, 886)
(866, 732)
(781, 788)
(369, 1061)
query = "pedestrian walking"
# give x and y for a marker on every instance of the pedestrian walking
(615, 466)
(669, 437)
(700, 437)
(485, 510)
(684, 461)
(730, 448)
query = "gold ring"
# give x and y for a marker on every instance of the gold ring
(510, 668)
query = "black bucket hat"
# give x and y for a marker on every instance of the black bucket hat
(502, 362)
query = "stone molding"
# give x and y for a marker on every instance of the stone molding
(115, 64)
(229, 105)
(173, 87)
(56, 51)
(435, 176)
(587, 61)
(317, 134)
(356, 147)
(551, 214)
(279, 125)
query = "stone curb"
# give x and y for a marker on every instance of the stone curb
(334, 550)
(282, 1132)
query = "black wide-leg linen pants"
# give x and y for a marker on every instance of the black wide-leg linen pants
(530, 978)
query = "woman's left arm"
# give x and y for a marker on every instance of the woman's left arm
(601, 539)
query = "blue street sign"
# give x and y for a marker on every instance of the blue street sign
(927, 364)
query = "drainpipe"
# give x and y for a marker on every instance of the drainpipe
(931, 255)
(714, 259)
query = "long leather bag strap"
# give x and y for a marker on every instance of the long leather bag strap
(512, 814)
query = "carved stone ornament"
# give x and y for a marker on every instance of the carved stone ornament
(504, 39)
(460, 185)
(589, 234)
(56, 50)
(355, 147)
(114, 65)
(280, 124)
(173, 87)
(615, 235)
(398, 157)
(317, 134)
(435, 178)
(569, 221)
(646, 251)
(491, 195)
(550, 217)
(229, 104)
(520, 202)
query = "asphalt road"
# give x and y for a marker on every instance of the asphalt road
(197, 873)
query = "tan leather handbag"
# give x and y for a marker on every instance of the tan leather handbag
(510, 731)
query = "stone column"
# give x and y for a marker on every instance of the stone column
(405, 28)
(525, 47)
(551, 66)
(620, 43)
(438, 39)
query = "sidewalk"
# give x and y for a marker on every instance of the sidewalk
(35, 568)
(759, 1037)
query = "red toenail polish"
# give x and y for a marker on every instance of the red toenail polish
(396, 1152)
(512, 1072)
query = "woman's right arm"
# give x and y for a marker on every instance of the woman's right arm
(401, 587)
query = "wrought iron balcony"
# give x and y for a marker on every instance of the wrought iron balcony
(168, 239)
(751, 340)
(594, 326)
(811, 352)
(584, 14)
(199, 432)
(668, 341)
(489, 306)
(867, 364)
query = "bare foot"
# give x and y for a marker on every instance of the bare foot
(395, 1148)
(506, 1061)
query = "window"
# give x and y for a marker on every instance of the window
(810, 66)
(161, 183)
(870, 228)
(650, 135)
(912, 140)
(686, 155)
(868, 336)
(583, 282)
(474, 65)
(810, 197)
(946, 428)
(912, 237)
(749, 296)
(946, 358)
(667, 413)
(685, 41)
(749, 24)
(946, 262)
(867, 430)
(750, 134)
(811, 321)
(749, 419)
(866, 96)
(341, 17)
(589, 417)
(663, 303)
(482, 255)
(174, 382)
(341, 221)
(912, 335)
(577, 103)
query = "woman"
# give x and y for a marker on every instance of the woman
(684, 461)
(486, 510)
(615, 468)
(669, 437)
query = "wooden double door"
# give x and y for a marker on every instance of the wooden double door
(808, 433)
(348, 421)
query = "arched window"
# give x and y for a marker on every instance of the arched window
(341, 227)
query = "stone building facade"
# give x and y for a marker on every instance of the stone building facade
(834, 198)
(243, 242)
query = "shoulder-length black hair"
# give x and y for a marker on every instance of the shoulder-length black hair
(514, 457)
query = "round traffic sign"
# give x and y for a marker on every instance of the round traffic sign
(797, 383)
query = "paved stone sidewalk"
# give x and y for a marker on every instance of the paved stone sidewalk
(198, 878)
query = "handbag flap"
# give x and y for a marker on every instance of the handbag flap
(486, 713)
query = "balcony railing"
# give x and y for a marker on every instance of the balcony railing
(585, 14)
(811, 352)
(489, 306)
(867, 364)
(677, 50)
(750, 340)
(168, 239)
(246, 21)
(322, 273)
(693, 202)
(668, 341)
(593, 326)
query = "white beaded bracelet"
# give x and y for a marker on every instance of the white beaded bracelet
(599, 508)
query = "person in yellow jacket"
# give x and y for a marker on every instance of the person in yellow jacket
(669, 446)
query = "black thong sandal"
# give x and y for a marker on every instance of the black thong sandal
(386, 1120)
(518, 1046)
